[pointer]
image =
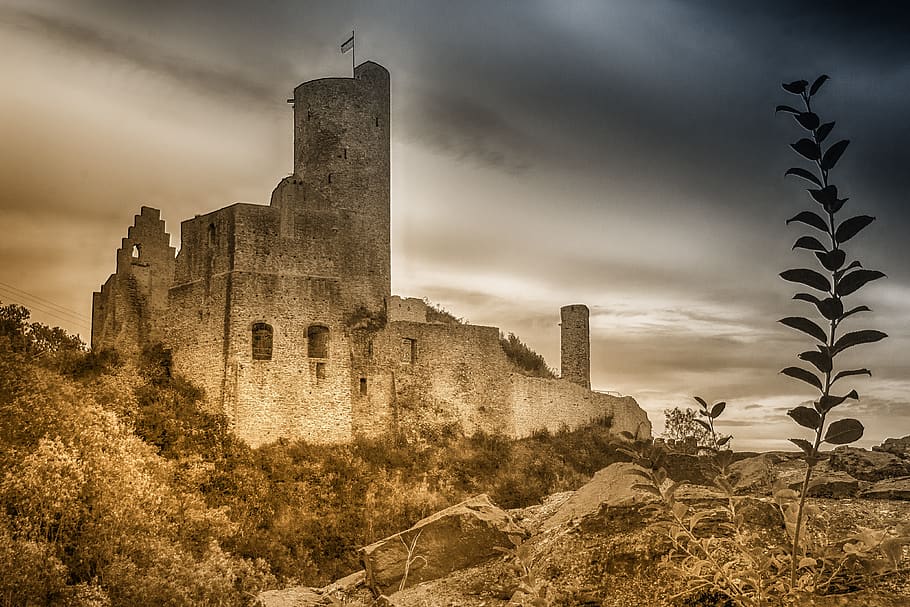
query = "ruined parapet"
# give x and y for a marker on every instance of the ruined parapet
(575, 344)
(128, 313)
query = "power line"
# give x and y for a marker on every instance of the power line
(45, 301)
(80, 321)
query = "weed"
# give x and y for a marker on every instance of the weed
(837, 281)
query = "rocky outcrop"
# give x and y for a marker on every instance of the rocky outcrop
(869, 466)
(458, 537)
(897, 446)
(891, 489)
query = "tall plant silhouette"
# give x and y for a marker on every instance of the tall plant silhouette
(837, 280)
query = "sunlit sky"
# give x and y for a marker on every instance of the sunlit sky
(625, 155)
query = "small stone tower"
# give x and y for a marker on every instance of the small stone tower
(576, 344)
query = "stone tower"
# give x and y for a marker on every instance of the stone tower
(342, 177)
(576, 344)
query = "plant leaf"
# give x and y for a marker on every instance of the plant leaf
(844, 431)
(850, 227)
(807, 120)
(703, 424)
(807, 297)
(832, 260)
(824, 196)
(818, 84)
(717, 409)
(810, 219)
(823, 131)
(810, 278)
(806, 417)
(797, 87)
(807, 175)
(833, 154)
(856, 338)
(849, 283)
(853, 311)
(807, 148)
(826, 403)
(806, 326)
(810, 243)
(803, 444)
(831, 308)
(803, 375)
(849, 372)
(787, 108)
(820, 360)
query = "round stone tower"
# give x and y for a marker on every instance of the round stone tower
(576, 344)
(342, 162)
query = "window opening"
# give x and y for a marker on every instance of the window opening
(408, 350)
(135, 253)
(377, 120)
(262, 341)
(363, 386)
(317, 341)
(345, 153)
(320, 371)
(211, 235)
(330, 178)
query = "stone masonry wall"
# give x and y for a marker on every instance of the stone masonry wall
(538, 403)
(128, 311)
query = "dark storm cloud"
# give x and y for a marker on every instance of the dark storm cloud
(123, 47)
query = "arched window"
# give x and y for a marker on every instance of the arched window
(262, 341)
(317, 341)
(211, 235)
(135, 253)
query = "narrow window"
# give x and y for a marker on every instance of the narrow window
(317, 341)
(330, 178)
(262, 341)
(363, 386)
(377, 120)
(320, 371)
(345, 153)
(211, 239)
(135, 253)
(408, 350)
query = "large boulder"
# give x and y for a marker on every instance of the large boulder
(611, 487)
(460, 536)
(869, 466)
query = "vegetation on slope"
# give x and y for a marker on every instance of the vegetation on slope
(118, 488)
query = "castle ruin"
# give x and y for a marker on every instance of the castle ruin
(284, 313)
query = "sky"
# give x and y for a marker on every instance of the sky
(621, 154)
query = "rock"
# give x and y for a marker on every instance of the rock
(898, 446)
(610, 487)
(347, 584)
(460, 536)
(869, 466)
(890, 489)
(825, 483)
(757, 474)
(298, 596)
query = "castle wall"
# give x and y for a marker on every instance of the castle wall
(536, 403)
(446, 374)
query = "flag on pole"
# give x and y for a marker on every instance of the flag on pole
(348, 44)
